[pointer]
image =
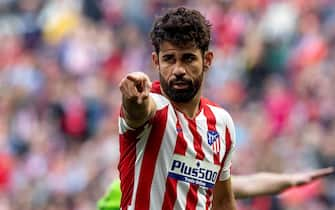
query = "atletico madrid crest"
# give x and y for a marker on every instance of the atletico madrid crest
(213, 139)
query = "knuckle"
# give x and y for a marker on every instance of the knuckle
(121, 83)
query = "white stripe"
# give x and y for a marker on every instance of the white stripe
(163, 162)
(160, 100)
(182, 190)
(201, 199)
(123, 126)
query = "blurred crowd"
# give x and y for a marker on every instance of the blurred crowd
(61, 61)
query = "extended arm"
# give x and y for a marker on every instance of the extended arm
(223, 197)
(137, 105)
(272, 183)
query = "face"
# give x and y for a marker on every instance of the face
(181, 70)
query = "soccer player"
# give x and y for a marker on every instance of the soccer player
(244, 186)
(175, 146)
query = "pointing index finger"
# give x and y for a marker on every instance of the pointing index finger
(322, 172)
(139, 82)
(133, 79)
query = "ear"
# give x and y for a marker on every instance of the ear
(208, 58)
(155, 60)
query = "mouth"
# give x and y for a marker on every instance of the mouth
(180, 85)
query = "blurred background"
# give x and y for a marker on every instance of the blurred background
(61, 61)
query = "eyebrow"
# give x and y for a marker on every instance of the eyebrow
(189, 54)
(168, 55)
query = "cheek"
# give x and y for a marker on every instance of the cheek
(165, 71)
(196, 70)
(165, 66)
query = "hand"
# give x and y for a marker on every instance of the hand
(135, 86)
(298, 179)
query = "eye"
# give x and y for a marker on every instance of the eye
(189, 58)
(168, 58)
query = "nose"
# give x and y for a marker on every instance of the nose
(179, 70)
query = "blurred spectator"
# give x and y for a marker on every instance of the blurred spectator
(61, 62)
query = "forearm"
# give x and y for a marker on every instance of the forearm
(137, 104)
(230, 205)
(272, 183)
(136, 114)
(133, 110)
(260, 184)
(223, 197)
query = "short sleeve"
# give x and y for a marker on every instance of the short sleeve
(160, 102)
(230, 142)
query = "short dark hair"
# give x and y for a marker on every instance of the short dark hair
(181, 27)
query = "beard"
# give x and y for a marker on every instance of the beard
(181, 95)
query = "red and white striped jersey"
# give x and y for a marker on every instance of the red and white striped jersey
(173, 162)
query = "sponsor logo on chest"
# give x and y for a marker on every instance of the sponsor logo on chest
(193, 171)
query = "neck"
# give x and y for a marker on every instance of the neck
(191, 108)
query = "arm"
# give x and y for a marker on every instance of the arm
(223, 197)
(137, 105)
(272, 183)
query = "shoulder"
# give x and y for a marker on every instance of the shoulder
(155, 92)
(160, 100)
(217, 110)
(156, 87)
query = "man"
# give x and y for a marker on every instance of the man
(244, 186)
(175, 146)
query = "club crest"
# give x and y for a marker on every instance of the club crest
(213, 139)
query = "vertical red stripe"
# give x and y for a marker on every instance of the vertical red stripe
(208, 198)
(197, 140)
(181, 144)
(211, 123)
(142, 200)
(192, 197)
(228, 146)
(127, 166)
(170, 195)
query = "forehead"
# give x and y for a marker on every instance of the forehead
(168, 47)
